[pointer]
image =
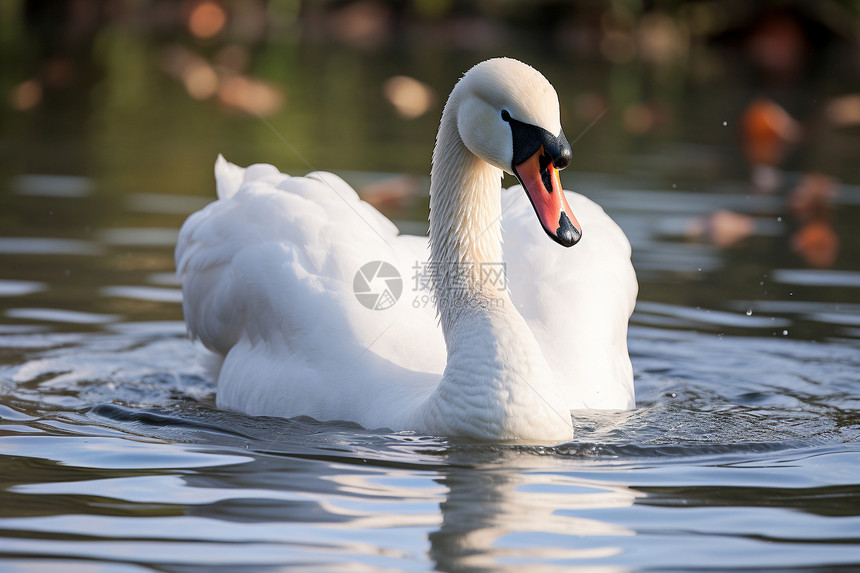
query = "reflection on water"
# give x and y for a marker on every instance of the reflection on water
(20, 288)
(42, 246)
(58, 315)
(52, 186)
(808, 277)
(512, 517)
(743, 451)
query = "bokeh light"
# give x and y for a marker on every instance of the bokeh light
(206, 19)
(410, 97)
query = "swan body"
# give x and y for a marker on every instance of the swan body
(486, 340)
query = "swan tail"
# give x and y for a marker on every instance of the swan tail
(228, 177)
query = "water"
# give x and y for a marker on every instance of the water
(743, 452)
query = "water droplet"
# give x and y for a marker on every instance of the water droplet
(725, 123)
(779, 219)
(674, 185)
(749, 312)
(785, 333)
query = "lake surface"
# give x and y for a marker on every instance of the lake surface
(743, 452)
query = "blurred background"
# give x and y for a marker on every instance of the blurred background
(120, 107)
(141, 91)
(137, 85)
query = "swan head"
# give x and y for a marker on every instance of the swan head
(508, 115)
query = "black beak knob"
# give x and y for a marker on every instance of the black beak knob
(562, 153)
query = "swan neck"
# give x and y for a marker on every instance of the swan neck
(465, 226)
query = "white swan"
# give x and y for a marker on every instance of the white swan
(268, 274)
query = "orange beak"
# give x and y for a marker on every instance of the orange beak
(539, 178)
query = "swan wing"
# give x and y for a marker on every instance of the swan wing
(268, 277)
(577, 301)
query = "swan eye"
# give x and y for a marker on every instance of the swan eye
(505, 115)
